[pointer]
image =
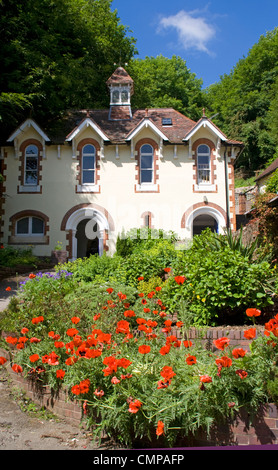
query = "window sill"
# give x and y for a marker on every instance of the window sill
(29, 189)
(147, 187)
(28, 240)
(205, 188)
(88, 188)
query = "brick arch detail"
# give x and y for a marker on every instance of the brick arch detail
(84, 206)
(29, 213)
(69, 234)
(199, 205)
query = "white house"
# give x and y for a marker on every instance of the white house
(93, 174)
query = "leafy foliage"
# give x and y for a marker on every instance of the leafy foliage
(57, 55)
(244, 101)
(162, 82)
(218, 291)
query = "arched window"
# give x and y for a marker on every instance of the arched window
(203, 163)
(31, 165)
(88, 164)
(146, 164)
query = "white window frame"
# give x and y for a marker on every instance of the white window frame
(25, 167)
(205, 167)
(30, 233)
(146, 183)
(93, 169)
(121, 91)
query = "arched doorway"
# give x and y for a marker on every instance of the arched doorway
(201, 216)
(87, 230)
(204, 221)
(86, 246)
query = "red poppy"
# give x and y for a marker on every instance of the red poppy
(250, 334)
(60, 374)
(35, 340)
(165, 349)
(187, 344)
(2, 360)
(34, 358)
(52, 359)
(221, 343)
(11, 340)
(115, 381)
(37, 320)
(32, 276)
(121, 296)
(71, 360)
(59, 344)
(8, 289)
(144, 349)
(98, 393)
(75, 320)
(123, 362)
(72, 332)
(134, 406)
(180, 279)
(163, 384)
(167, 270)
(82, 387)
(109, 290)
(140, 278)
(122, 327)
(167, 373)
(205, 379)
(91, 353)
(17, 368)
(160, 428)
(191, 360)
(129, 313)
(24, 331)
(241, 373)
(224, 361)
(238, 352)
(253, 312)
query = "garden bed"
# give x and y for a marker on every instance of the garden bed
(262, 429)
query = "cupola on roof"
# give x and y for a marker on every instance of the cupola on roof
(120, 77)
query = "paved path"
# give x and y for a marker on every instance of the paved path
(13, 283)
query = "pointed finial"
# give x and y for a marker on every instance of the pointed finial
(204, 112)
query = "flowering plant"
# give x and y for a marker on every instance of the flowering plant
(135, 372)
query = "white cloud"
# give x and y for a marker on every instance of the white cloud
(193, 30)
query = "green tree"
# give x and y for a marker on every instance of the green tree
(57, 54)
(243, 100)
(161, 82)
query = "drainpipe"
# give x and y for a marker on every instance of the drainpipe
(227, 189)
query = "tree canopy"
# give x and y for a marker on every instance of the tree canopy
(244, 100)
(57, 54)
(162, 82)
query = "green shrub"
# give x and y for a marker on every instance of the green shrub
(10, 257)
(220, 282)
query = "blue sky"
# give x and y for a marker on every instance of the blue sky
(210, 35)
